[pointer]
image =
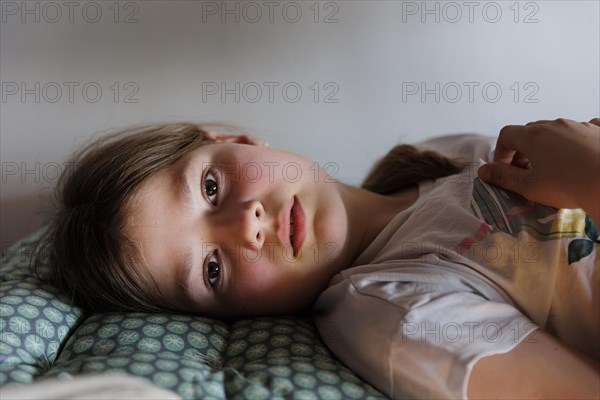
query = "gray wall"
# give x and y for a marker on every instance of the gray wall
(371, 74)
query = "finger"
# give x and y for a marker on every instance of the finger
(520, 160)
(512, 138)
(595, 121)
(541, 121)
(506, 176)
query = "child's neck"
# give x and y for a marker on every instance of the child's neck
(368, 213)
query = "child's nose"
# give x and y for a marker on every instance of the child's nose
(244, 226)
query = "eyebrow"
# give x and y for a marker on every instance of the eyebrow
(183, 186)
(185, 270)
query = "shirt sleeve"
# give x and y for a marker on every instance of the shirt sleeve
(416, 338)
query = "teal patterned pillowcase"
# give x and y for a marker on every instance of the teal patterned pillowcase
(258, 358)
(35, 318)
(197, 357)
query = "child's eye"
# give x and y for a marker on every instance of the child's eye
(213, 270)
(211, 186)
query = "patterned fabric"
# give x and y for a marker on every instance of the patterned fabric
(269, 357)
(35, 319)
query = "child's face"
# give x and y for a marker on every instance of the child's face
(251, 187)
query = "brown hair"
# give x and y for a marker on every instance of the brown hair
(405, 165)
(84, 248)
(88, 255)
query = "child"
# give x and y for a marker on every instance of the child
(400, 273)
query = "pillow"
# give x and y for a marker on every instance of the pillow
(197, 357)
(35, 318)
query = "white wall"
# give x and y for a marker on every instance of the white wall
(366, 56)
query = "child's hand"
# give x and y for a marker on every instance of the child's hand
(556, 163)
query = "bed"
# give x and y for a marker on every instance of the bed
(46, 341)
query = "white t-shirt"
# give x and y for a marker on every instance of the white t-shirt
(469, 270)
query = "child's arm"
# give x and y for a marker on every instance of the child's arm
(540, 367)
(550, 162)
